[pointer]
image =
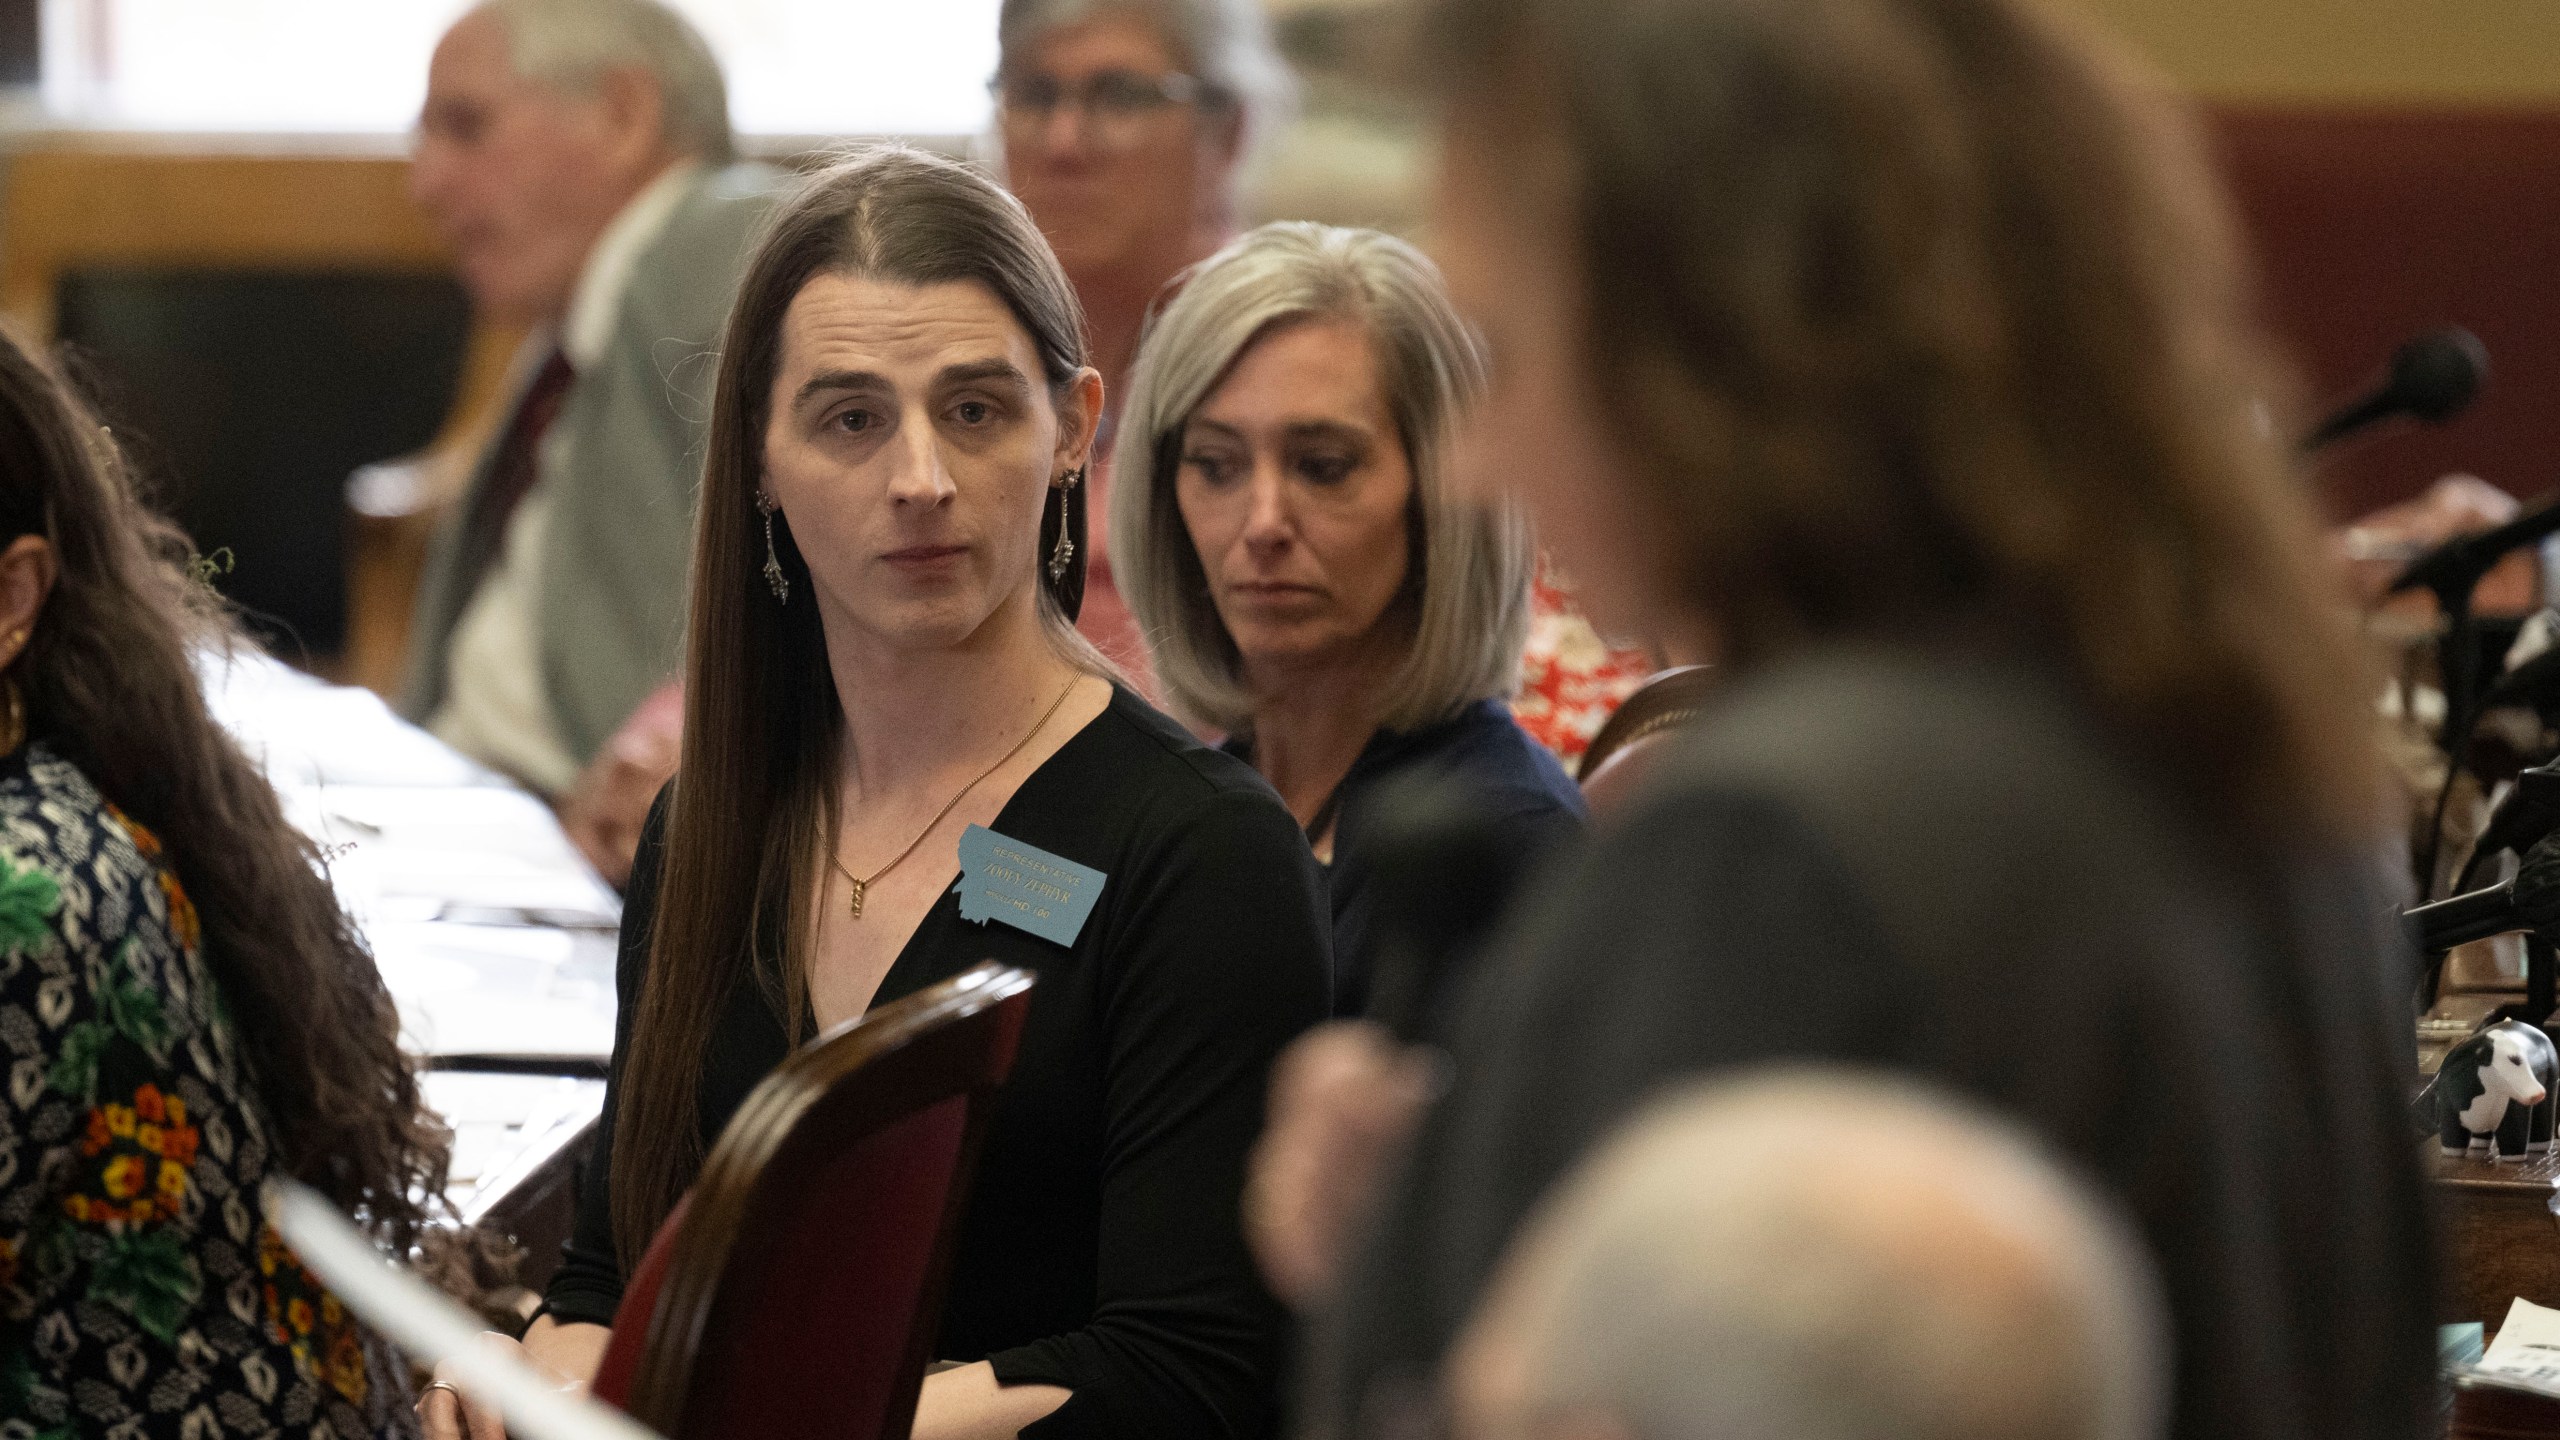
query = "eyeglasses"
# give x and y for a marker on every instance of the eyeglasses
(1115, 103)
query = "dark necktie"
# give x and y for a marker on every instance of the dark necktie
(518, 459)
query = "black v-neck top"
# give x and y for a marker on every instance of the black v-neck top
(1102, 1249)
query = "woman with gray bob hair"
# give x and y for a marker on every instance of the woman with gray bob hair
(1307, 577)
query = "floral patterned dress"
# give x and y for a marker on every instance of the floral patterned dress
(141, 1293)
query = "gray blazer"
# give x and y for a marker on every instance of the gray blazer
(610, 595)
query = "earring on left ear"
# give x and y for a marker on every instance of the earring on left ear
(774, 579)
(1063, 553)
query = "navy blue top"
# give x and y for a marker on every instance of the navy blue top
(1513, 782)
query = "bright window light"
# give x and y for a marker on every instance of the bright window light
(359, 67)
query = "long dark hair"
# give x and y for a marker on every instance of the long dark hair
(1917, 308)
(110, 684)
(756, 789)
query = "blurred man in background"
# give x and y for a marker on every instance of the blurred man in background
(1812, 1255)
(577, 154)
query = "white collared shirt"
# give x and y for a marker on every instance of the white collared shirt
(496, 708)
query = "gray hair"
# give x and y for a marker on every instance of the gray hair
(1803, 1254)
(1225, 45)
(1473, 560)
(569, 45)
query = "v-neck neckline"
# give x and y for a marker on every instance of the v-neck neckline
(1041, 776)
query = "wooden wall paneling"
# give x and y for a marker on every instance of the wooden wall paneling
(2372, 225)
(86, 205)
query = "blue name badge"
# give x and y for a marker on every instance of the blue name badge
(1024, 886)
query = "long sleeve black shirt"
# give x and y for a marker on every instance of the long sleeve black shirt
(1101, 1250)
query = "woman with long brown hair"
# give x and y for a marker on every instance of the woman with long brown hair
(1900, 350)
(185, 1010)
(882, 661)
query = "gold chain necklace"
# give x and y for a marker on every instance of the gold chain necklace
(860, 886)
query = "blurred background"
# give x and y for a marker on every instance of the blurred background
(205, 199)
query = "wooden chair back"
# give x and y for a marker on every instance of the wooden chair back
(799, 1287)
(1667, 700)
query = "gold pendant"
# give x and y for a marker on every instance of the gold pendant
(857, 896)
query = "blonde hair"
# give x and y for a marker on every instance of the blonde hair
(1472, 561)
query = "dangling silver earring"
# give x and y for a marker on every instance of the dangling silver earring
(1064, 552)
(774, 579)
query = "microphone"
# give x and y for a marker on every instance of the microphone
(2433, 378)
(2532, 809)
(2454, 567)
(2535, 685)
(2529, 901)
(1444, 872)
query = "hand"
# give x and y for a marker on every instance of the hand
(1344, 1097)
(447, 1413)
(563, 1355)
(604, 811)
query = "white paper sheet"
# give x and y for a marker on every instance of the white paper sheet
(493, 934)
(2527, 1350)
(433, 1330)
(512, 990)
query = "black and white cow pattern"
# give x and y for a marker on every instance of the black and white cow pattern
(2496, 1095)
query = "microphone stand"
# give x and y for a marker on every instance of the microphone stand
(2541, 981)
(2451, 573)
(2457, 655)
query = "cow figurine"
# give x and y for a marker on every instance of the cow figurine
(2495, 1095)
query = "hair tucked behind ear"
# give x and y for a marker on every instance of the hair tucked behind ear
(110, 680)
(757, 780)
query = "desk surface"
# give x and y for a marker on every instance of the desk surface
(495, 938)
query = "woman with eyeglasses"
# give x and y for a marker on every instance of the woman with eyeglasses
(1125, 124)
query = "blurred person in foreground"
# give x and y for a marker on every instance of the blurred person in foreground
(578, 155)
(1901, 349)
(185, 1010)
(1308, 583)
(1812, 1255)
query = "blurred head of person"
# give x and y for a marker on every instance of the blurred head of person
(1124, 125)
(103, 621)
(903, 384)
(543, 119)
(1283, 507)
(1814, 319)
(1814, 1255)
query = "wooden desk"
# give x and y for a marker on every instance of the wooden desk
(2501, 1233)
